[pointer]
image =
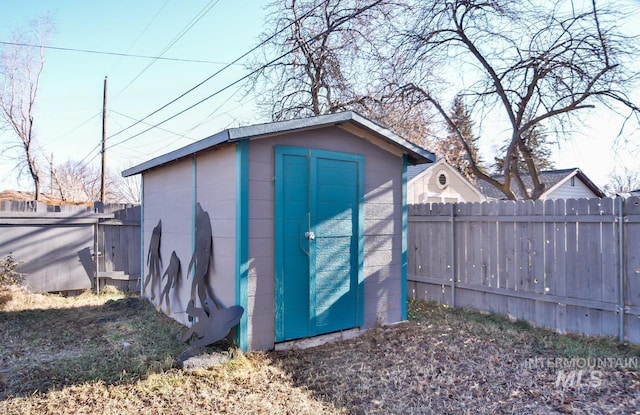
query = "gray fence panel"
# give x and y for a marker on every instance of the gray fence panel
(55, 245)
(555, 263)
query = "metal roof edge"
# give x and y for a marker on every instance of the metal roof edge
(240, 133)
(297, 124)
(218, 138)
(419, 154)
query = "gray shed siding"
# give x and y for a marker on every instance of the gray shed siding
(383, 228)
(215, 191)
(169, 196)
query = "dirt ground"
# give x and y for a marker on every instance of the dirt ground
(119, 358)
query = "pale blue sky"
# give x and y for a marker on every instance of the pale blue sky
(72, 82)
(68, 120)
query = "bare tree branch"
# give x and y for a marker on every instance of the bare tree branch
(20, 72)
(530, 64)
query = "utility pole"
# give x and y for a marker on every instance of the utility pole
(103, 174)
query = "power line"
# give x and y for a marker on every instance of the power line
(182, 135)
(98, 52)
(205, 119)
(97, 147)
(175, 40)
(244, 77)
(144, 30)
(235, 61)
(75, 128)
(203, 100)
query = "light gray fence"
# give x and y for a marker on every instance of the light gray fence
(56, 245)
(570, 265)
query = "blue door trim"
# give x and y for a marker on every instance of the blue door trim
(142, 251)
(242, 240)
(194, 201)
(361, 182)
(313, 252)
(405, 224)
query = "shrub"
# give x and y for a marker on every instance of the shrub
(8, 274)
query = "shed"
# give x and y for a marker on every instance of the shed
(302, 223)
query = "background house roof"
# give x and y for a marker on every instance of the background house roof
(551, 179)
(417, 170)
(417, 154)
(413, 171)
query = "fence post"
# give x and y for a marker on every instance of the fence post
(621, 269)
(454, 268)
(96, 255)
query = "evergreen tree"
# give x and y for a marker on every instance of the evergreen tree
(536, 141)
(452, 149)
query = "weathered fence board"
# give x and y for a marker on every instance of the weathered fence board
(556, 263)
(632, 263)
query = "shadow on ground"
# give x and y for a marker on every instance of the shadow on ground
(117, 342)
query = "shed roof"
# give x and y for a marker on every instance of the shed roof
(551, 179)
(417, 154)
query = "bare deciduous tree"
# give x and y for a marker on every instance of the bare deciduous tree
(527, 62)
(622, 180)
(20, 72)
(75, 181)
(536, 140)
(330, 44)
(125, 189)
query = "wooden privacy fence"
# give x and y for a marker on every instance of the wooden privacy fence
(570, 265)
(56, 245)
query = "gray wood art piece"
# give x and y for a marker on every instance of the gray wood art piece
(172, 273)
(154, 259)
(212, 322)
(202, 256)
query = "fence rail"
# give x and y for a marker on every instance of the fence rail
(570, 265)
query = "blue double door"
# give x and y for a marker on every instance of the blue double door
(319, 241)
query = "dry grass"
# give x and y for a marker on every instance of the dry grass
(112, 354)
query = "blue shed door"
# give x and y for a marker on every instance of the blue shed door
(318, 242)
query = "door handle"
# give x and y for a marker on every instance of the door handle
(310, 235)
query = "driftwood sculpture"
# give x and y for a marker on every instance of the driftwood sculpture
(172, 273)
(154, 260)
